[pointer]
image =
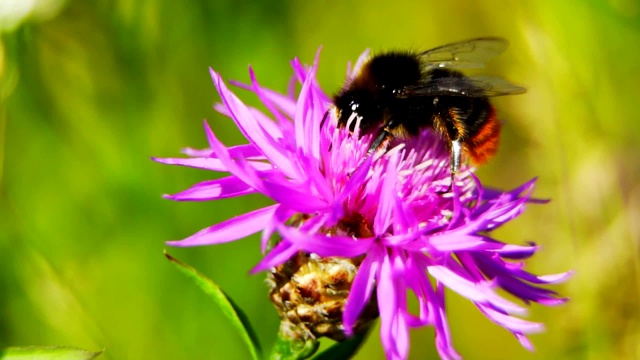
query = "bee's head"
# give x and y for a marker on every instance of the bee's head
(357, 105)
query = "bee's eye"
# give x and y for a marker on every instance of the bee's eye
(354, 106)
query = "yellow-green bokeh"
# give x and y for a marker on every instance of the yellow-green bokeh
(89, 90)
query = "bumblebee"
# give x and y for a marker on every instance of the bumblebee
(397, 94)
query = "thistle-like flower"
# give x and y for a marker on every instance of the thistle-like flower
(357, 233)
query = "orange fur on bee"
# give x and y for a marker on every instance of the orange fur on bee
(484, 143)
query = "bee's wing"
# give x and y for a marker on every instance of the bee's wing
(471, 53)
(472, 86)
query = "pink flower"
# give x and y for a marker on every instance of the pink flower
(388, 208)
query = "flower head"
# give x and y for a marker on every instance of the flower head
(387, 210)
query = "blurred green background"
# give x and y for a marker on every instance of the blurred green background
(89, 90)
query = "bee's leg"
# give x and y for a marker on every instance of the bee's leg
(456, 154)
(384, 134)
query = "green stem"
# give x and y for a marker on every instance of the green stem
(293, 343)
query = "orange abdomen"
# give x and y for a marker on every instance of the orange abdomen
(484, 143)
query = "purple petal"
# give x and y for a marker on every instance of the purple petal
(400, 326)
(278, 255)
(276, 130)
(511, 323)
(387, 307)
(281, 215)
(283, 102)
(385, 207)
(307, 117)
(517, 251)
(393, 329)
(490, 194)
(230, 230)
(317, 180)
(209, 163)
(287, 194)
(444, 344)
(238, 167)
(271, 127)
(299, 70)
(326, 245)
(255, 134)
(480, 292)
(511, 278)
(264, 97)
(405, 241)
(291, 92)
(496, 264)
(404, 220)
(418, 281)
(200, 163)
(524, 341)
(356, 179)
(555, 278)
(197, 152)
(298, 199)
(456, 240)
(245, 151)
(364, 57)
(222, 109)
(361, 288)
(213, 189)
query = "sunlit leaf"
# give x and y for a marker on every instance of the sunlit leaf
(47, 353)
(237, 317)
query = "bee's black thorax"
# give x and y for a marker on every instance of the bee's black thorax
(376, 96)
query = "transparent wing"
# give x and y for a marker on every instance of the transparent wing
(471, 53)
(473, 86)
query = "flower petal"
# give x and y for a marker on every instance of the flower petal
(443, 335)
(479, 292)
(393, 328)
(246, 151)
(308, 115)
(361, 288)
(278, 255)
(384, 215)
(294, 197)
(511, 323)
(281, 215)
(327, 245)
(255, 134)
(281, 191)
(237, 167)
(213, 189)
(283, 102)
(230, 230)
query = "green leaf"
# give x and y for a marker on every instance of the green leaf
(47, 353)
(237, 317)
(343, 350)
